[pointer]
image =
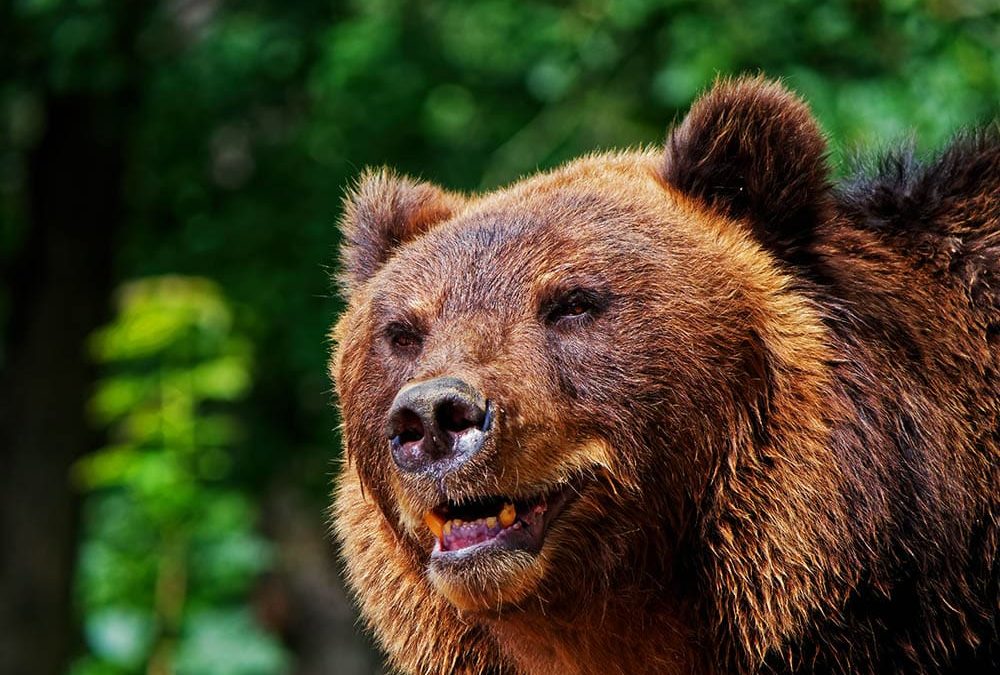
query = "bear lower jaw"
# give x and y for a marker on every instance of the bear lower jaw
(484, 580)
(487, 566)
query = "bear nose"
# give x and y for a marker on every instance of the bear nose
(438, 424)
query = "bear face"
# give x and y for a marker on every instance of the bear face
(576, 313)
(602, 419)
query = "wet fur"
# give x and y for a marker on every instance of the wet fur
(806, 477)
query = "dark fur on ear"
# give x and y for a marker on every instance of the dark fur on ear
(383, 212)
(751, 148)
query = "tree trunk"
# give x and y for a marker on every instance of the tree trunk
(59, 284)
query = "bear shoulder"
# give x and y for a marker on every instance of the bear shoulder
(945, 212)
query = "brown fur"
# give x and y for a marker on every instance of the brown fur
(785, 415)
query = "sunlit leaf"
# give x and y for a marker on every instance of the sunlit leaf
(227, 643)
(121, 636)
(104, 468)
(224, 378)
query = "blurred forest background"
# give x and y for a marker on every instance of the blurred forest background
(170, 179)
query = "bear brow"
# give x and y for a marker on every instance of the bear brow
(412, 310)
(552, 290)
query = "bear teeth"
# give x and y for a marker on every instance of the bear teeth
(507, 515)
(435, 523)
(444, 528)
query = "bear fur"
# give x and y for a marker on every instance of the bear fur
(778, 408)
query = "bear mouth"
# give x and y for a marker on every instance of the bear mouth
(497, 522)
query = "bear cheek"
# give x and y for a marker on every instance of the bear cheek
(629, 400)
(595, 373)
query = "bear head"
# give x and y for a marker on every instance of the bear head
(546, 389)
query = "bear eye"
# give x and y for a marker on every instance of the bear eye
(577, 304)
(403, 337)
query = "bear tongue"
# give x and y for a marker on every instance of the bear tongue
(463, 535)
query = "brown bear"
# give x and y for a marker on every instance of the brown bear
(683, 410)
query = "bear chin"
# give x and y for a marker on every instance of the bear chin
(485, 577)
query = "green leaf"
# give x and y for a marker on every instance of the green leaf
(119, 635)
(227, 643)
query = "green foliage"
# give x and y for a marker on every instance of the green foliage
(170, 548)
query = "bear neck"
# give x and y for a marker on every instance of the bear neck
(606, 635)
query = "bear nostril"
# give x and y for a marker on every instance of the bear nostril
(408, 426)
(455, 417)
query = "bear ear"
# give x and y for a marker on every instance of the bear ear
(751, 148)
(383, 212)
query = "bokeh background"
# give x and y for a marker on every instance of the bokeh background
(170, 178)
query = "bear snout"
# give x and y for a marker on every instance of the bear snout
(437, 425)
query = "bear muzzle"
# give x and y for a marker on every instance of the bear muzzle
(436, 426)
